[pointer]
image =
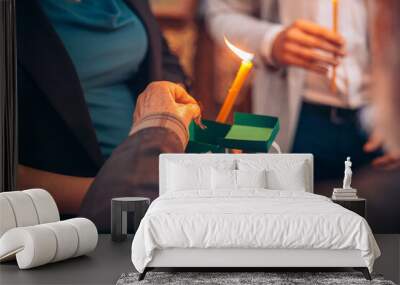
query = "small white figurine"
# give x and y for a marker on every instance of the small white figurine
(347, 174)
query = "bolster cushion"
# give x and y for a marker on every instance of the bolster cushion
(40, 244)
(26, 208)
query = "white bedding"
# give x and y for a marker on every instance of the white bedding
(251, 218)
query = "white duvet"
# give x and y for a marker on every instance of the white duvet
(250, 219)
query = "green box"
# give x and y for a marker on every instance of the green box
(249, 133)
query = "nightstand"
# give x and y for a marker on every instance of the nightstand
(358, 206)
(120, 207)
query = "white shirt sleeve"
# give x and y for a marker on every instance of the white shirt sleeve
(268, 41)
(234, 19)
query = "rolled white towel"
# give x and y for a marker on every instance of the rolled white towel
(26, 208)
(67, 240)
(87, 235)
(46, 207)
(7, 218)
(40, 244)
(33, 246)
(23, 208)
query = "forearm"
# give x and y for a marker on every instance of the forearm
(67, 191)
(132, 170)
(137, 158)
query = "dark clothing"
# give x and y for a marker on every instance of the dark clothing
(55, 130)
(132, 170)
(331, 134)
(381, 188)
(98, 38)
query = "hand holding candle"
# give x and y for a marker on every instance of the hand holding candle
(242, 74)
(309, 46)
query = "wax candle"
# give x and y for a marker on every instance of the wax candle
(335, 17)
(234, 90)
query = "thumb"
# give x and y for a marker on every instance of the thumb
(192, 111)
(189, 112)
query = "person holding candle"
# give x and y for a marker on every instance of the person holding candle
(98, 88)
(316, 80)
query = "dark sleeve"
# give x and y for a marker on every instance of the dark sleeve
(132, 170)
(172, 69)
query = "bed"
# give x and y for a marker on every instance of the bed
(247, 211)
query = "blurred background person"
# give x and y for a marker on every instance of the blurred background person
(296, 52)
(81, 67)
(381, 186)
(386, 63)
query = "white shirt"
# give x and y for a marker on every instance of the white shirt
(278, 95)
(354, 70)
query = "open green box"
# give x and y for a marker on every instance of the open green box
(249, 132)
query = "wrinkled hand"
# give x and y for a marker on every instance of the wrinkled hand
(164, 96)
(308, 45)
(388, 161)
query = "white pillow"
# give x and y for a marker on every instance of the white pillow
(223, 179)
(184, 178)
(251, 178)
(291, 175)
(194, 174)
(292, 178)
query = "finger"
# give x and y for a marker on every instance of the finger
(187, 99)
(174, 91)
(320, 32)
(310, 41)
(374, 143)
(297, 61)
(393, 166)
(311, 55)
(180, 95)
(384, 161)
(192, 111)
(188, 112)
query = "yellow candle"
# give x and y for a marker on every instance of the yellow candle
(242, 74)
(335, 6)
(233, 92)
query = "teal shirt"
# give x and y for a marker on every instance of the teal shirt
(107, 43)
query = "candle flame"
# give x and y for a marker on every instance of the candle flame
(245, 56)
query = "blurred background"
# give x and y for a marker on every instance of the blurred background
(214, 67)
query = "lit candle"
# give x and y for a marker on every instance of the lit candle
(335, 9)
(242, 74)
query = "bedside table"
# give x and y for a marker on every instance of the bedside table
(120, 207)
(358, 206)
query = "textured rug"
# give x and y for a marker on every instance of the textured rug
(244, 278)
